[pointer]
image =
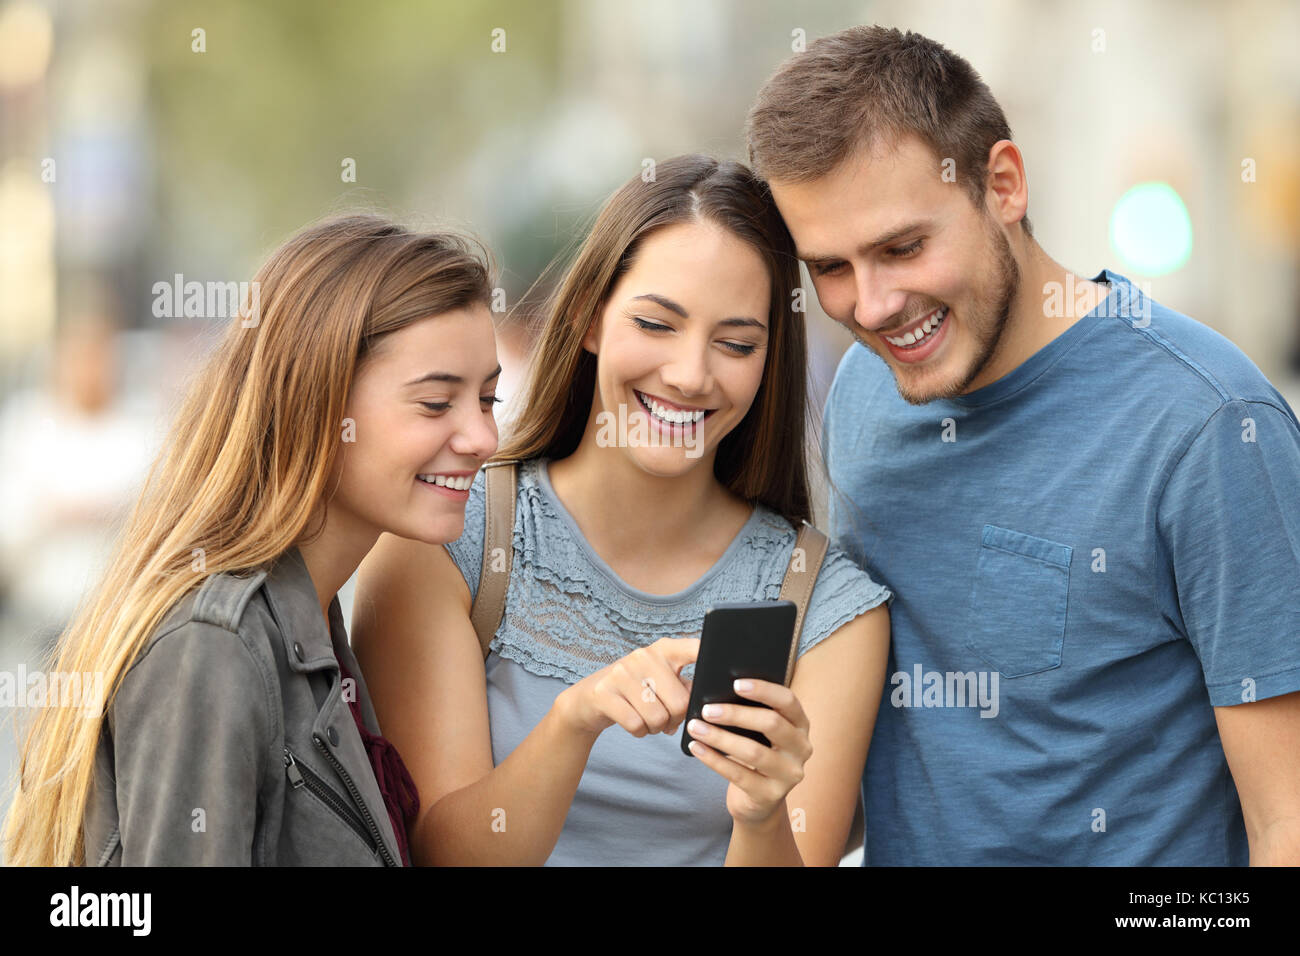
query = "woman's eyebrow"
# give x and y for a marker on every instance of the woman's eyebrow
(448, 377)
(672, 306)
(666, 302)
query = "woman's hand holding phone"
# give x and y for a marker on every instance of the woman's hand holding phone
(643, 692)
(760, 776)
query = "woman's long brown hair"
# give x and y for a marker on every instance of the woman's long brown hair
(241, 475)
(763, 459)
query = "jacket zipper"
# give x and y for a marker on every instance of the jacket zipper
(301, 775)
(356, 796)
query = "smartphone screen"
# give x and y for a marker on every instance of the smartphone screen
(740, 640)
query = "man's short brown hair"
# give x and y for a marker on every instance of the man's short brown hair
(868, 85)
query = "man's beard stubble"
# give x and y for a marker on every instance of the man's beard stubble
(997, 304)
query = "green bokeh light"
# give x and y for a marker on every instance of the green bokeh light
(1150, 229)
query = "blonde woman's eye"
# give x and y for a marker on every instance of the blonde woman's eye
(436, 406)
(490, 399)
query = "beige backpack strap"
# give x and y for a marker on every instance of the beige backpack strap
(797, 586)
(498, 531)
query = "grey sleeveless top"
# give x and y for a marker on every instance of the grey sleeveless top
(568, 614)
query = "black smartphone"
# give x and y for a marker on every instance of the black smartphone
(739, 640)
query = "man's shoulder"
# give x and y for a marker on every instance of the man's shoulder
(859, 367)
(1187, 363)
(862, 380)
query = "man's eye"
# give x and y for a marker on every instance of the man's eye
(907, 251)
(829, 270)
(649, 326)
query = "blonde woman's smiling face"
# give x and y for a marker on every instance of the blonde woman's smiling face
(422, 423)
(681, 340)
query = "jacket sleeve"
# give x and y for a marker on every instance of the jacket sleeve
(192, 727)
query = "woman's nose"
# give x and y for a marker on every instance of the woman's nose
(477, 436)
(688, 372)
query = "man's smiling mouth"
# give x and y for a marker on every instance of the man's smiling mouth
(918, 334)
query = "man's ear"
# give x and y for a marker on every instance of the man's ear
(1007, 195)
(592, 338)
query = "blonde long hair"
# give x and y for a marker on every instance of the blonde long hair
(246, 464)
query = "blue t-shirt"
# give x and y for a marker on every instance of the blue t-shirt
(568, 614)
(1088, 556)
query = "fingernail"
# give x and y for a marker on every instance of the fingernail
(711, 710)
(698, 728)
(743, 685)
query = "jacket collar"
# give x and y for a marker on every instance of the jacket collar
(308, 643)
(310, 646)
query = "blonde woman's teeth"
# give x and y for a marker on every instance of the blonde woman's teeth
(444, 481)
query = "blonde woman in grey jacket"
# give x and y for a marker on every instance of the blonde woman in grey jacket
(354, 395)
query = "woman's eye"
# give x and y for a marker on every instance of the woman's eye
(740, 348)
(907, 251)
(443, 406)
(649, 326)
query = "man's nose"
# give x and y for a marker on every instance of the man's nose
(877, 304)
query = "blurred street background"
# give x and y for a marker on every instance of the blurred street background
(143, 140)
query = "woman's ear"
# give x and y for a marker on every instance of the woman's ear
(591, 340)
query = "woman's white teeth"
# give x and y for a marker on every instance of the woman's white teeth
(444, 481)
(675, 416)
(911, 338)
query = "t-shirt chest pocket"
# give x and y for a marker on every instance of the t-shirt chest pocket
(1018, 602)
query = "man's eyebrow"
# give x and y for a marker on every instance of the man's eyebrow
(448, 377)
(672, 306)
(884, 239)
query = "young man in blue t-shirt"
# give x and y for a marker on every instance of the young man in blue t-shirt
(1087, 504)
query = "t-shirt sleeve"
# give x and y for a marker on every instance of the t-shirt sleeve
(1229, 521)
(467, 550)
(832, 433)
(841, 422)
(842, 592)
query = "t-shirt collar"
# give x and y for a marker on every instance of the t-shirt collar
(1116, 303)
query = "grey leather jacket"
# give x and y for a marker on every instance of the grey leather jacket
(230, 742)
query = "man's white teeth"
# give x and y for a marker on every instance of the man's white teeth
(673, 416)
(911, 338)
(443, 481)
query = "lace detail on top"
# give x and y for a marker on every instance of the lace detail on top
(568, 614)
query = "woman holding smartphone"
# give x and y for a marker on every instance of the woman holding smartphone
(238, 728)
(678, 314)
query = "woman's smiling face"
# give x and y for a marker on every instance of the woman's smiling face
(681, 344)
(421, 410)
